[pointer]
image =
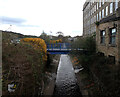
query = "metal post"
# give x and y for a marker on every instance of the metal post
(51, 46)
(60, 46)
(54, 46)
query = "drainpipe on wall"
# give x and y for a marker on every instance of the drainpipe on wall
(118, 34)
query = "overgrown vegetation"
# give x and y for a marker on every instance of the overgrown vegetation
(22, 65)
(89, 46)
(45, 37)
(87, 43)
(100, 77)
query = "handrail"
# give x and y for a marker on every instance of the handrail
(59, 46)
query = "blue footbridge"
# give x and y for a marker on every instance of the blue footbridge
(60, 48)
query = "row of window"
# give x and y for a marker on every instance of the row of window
(100, 2)
(93, 10)
(100, 15)
(88, 23)
(112, 36)
(105, 11)
(89, 13)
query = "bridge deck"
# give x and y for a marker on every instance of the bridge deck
(63, 49)
(60, 48)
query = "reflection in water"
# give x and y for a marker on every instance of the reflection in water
(66, 83)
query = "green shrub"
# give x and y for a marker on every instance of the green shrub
(98, 68)
(87, 43)
(90, 44)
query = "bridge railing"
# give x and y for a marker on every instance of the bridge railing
(59, 46)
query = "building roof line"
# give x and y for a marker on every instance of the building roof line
(109, 19)
(85, 4)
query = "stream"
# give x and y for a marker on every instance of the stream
(66, 82)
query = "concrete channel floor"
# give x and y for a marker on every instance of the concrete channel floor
(66, 82)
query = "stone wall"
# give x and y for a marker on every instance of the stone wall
(107, 48)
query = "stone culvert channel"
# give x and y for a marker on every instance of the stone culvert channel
(66, 82)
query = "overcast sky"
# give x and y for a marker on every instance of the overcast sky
(31, 17)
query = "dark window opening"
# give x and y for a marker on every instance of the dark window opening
(112, 35)
(100, 54)
(102, 36)
(111, 59)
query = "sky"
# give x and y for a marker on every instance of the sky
(31, 17)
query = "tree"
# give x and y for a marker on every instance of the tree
(59, 33)
(45, 37)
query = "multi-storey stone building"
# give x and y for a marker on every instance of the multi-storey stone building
(89, 17)
(95, 11)
(103, 18)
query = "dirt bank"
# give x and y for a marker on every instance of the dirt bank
(80, 76)
(50, 76)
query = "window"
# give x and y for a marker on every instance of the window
(103, 2)
(97, 5)
(95, 29)
(112, 35)
(102, 35)
(95, 8)
(111, 59)
(111, 7)
(100, 15)
(116, 4)
(90, 12)
(91, 29)
(100, 3)
(90, 3)
(103, 13)
(91, 20)
(106, 10)
(97, 17)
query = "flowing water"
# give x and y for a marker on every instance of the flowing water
(66, 82)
